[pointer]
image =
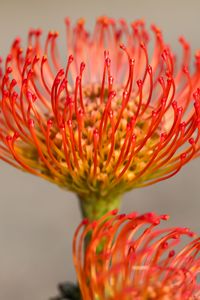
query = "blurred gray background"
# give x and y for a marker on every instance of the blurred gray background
(37, 220)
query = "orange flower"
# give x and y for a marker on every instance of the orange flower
(115, 118)
(127, 257)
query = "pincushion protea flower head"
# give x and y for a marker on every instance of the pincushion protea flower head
(127, 257)
(114, 118)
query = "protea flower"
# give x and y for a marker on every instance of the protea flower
(127, 257)
(113, 119)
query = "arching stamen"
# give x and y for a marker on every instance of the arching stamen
(95, 142)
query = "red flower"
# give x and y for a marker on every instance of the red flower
(127, 257)
(115, 118)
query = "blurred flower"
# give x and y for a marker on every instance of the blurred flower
(128, 258)
(114, 119)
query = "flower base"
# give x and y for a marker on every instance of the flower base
(68, 291)
(95, 208)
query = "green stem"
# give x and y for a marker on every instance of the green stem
(95, 208)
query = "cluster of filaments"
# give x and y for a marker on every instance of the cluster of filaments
(113, 119)
(127, 257)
